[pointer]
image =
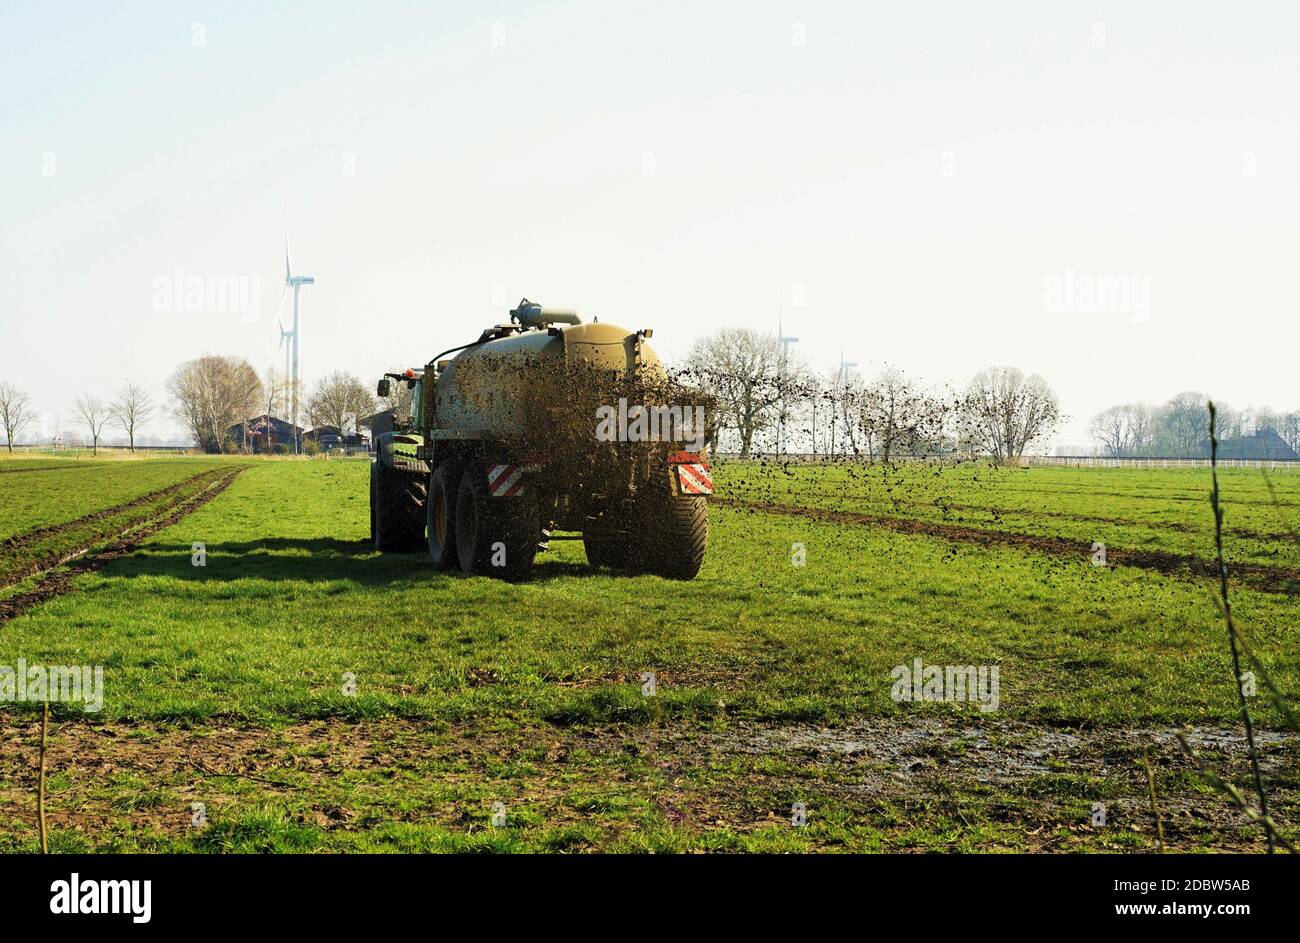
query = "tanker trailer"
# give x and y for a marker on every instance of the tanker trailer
(545, 424)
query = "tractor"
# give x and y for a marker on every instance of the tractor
(544, 428)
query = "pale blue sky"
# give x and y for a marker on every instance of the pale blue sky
(913, 174)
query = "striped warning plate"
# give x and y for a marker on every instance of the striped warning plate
(505, 481)
(695, 479)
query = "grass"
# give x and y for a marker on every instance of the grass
(1137, 508)
(469, 691)
(43, 493)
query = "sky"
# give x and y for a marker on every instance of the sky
(1106, 194)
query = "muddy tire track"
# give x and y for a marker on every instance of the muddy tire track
(58, 579)
(23, 471)
(1177, 526)
(1269, 579)
(27, 538)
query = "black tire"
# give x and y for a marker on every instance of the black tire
(670, 532)
(483, 522)
(676, 537)
(397, 504)
(374, 491)
(440, 516)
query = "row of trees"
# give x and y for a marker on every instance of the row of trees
(761, 391)
(131, 409)
(1178, 428)
(208, 396)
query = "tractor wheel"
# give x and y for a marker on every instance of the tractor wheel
(397, 504)
(374, 490)
(440, 521)
(674, 535)
(494, 536)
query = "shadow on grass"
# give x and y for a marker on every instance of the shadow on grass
(317, 559)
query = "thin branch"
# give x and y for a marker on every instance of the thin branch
(40, 780)
(1232, 628)
(1151, 794)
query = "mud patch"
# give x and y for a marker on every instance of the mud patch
(1031, 782)
(998, 753)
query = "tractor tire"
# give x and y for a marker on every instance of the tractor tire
(494, 536)
(397, 506)
(673, 535)
(440, 519)
(374, 490)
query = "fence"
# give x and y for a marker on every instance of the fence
(1102, 461)
(75, 451)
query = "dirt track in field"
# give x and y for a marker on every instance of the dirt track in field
(1179, 527)
(1269, 579)
(59, 579)
(27, 538)
(23, 471)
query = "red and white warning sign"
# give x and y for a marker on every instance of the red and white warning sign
(505, 481)
(695, 478)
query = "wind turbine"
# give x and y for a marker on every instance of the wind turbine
(295, 282)
(785, 343)
(845, 367)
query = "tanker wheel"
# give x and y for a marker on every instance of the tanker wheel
(398, 508)
(674, 535)
(494, 536)
(440, 519)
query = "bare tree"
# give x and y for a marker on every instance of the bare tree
(1182, 425)
(131, 410)
(1141, 428)
(340, 400)
(15, 412)
(211, 394)
(275, 393)
(1009, 410)
(751, 383)
(1110, 428)
(1289, 429)
(895, 417)
(95, 415)
(1124, 430)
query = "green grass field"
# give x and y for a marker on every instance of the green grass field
(314, 695)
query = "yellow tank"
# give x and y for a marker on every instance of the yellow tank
(498, 388)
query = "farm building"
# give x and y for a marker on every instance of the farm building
(1263, 443)
(262, 434)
